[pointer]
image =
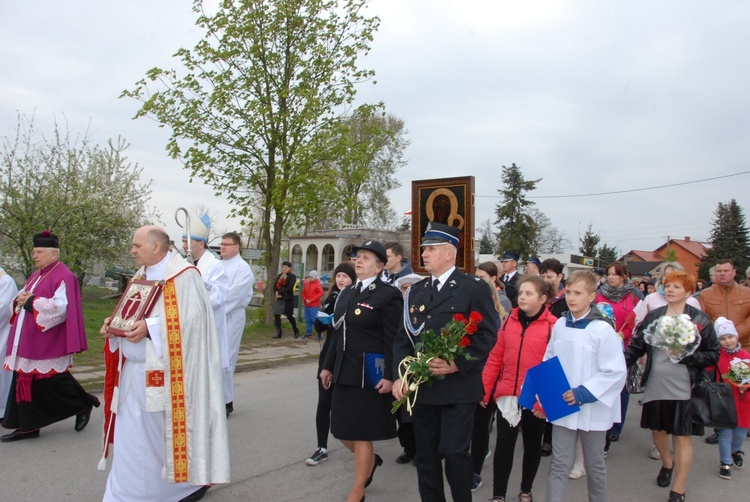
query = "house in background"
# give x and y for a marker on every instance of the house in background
(325, 249)
(638, 269)
(689, 254)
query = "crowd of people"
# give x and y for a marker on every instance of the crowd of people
(599, 325)
(170, 366)
(170, 351)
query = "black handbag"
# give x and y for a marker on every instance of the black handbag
(712, 403)
(279, 306)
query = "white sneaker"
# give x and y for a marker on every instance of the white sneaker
(654, 453)
(577, 472)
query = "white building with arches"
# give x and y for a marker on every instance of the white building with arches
(325, 249)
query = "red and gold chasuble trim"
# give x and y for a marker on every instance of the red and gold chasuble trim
(177, 379)
(155, 378)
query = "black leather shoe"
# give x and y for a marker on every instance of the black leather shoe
(713, 438)
(676, 497)
(665, 477)
(614, 437)
(296, 335)
(278, 335)
(18, 435)
(405, 458)
(546, 450)
(82, 419)
(197, 494)
(378, 463)
(230, 408)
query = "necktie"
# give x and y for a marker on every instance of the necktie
(434, 290)
(357, 288)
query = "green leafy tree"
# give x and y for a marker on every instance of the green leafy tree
(670, 255)
(256, 104)
(606, 255)
(371, 152)
(729, 238)
(518, 230)
(87, 194)
(589, 243)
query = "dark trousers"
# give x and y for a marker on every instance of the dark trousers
(323, 414)
(443, 432)
(406, 432)
(480, 436)
(52, 399)
(624, 401)
(532, 430)
(548, 433)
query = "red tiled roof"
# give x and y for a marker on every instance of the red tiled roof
(644, 255)
(696, 248)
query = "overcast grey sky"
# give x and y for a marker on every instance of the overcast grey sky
(590, 96)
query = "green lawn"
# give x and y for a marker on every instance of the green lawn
(96, 309)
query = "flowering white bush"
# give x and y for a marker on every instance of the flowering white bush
(678, 336)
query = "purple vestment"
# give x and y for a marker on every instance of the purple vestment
(68, 337)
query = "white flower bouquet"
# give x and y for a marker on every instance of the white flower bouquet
(677, 336)
(739, 373)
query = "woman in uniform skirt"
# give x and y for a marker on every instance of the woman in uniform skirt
(366, 318)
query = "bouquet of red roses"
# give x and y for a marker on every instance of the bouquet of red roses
(448, 344)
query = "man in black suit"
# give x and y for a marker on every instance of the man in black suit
(510, 276)
(444, 413)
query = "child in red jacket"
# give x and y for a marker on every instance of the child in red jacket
(312, 292)
(730, 440)
(521, 344)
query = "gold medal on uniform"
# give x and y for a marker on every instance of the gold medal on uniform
(414, 320)
(357, 312)
(421, 309)
(411, 309)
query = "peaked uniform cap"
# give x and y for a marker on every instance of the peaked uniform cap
(534, 260)
(509, 255)
(375, 247)
(438, 233)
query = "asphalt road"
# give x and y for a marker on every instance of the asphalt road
(272, 432)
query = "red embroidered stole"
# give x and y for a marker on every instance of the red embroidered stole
(177, 380)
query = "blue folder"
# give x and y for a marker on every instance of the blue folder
(373, 365)
(548, 382)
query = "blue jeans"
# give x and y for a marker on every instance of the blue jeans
(310, 314)
(730, 441)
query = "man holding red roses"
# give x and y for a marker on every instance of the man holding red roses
(444, 412)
